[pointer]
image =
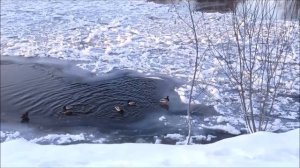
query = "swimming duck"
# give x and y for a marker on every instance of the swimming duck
(67, 107)
(119, 109)
(164, 101)
(131, 103)
(25, 118)
(67, 110)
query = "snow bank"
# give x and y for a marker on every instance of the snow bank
(259, 149)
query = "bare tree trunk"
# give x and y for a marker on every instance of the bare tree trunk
(195, 72)
(191, 24)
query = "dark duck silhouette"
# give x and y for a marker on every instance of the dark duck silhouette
(67, 110)
(25, 118)
(164, 101)
(131, 103)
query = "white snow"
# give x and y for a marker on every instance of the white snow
(209, 137)
(9, 135)
(255, 150)
(162, 118)
(206, 119)
(60, 139)
(55, 139)
(220, 119)
(175, 136)
(227, 128)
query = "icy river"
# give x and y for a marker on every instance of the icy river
(98, 54)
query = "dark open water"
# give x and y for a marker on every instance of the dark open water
(43, 89)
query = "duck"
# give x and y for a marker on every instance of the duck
(164, 101)
(119, 109)
(131, 103)
(25, 118)
(67, 110)
(67, 107)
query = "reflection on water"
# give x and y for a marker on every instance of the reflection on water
(286, 9)
(205, 5)
(164, 1)
(290, 9)
(215, 5)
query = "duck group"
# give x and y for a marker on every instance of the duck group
(163, 102)
(67, 109)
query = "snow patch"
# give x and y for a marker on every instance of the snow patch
(59, 138)
(175, 136)
(227, 128)
(9, 135)
(210, 137)
(162, 118)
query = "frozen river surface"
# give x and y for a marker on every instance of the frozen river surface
(110, 35)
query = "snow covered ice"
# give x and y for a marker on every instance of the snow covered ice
(128, 35)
